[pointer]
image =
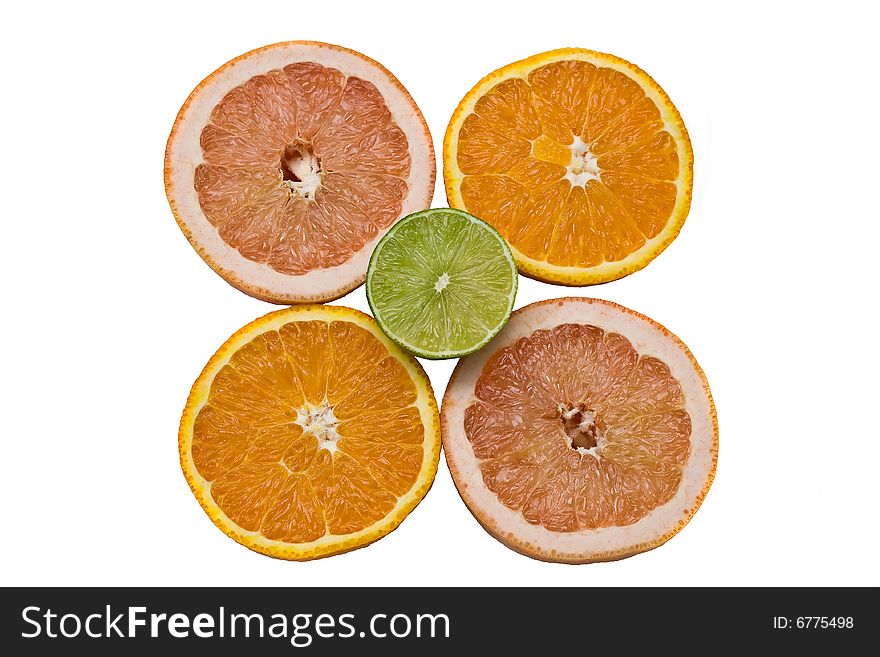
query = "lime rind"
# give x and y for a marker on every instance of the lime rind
(470, 268)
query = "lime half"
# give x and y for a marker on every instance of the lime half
(441, 283)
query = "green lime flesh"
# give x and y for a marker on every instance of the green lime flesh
(441, 283)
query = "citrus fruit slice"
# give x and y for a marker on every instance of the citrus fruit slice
(286, 165)
(583, 432)
(310, 433)
(578, 158)
(441, 283)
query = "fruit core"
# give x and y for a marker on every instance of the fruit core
(301, 170)
(319, 421)
(584, 165)
(442, 282)
(583, 430)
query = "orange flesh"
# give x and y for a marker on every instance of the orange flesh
(348, 131)
(272, 475)
(525, 455)
(514, 150)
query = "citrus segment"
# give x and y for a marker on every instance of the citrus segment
(582, 432)
(309, 433)
(286, 165)
(441, 283)
(579, 159)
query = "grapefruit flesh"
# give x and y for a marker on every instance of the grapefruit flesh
(582, 432)
(287, 164)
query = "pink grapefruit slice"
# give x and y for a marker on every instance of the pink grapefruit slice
(287, 164)
(582, 432)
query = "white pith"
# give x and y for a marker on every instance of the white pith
(442, 282)
(589, 421)
(320, 422)
(588, 544)
(304, 165)
(184, 154)
(584, 166)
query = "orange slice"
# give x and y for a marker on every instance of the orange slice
(578, 158)
(583, 432)
(286, 166)
(310, 433)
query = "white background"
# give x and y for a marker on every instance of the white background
(109, 315)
